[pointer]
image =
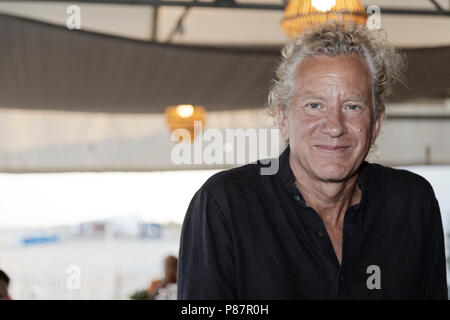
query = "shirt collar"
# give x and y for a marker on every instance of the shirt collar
(287, 178)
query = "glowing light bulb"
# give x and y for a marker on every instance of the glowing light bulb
(185, 110)
(323, 5)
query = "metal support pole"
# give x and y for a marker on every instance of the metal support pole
(154, 35)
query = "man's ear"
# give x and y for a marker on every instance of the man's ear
(283, 123)
(377, 126)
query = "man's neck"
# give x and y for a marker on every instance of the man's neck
(329, 199)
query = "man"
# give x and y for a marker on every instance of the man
(327, 225)
(4, 284)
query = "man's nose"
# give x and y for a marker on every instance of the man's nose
(334, 124)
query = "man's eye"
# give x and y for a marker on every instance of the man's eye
(314, 105)
(352, 107)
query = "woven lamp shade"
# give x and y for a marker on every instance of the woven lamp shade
(301, 14)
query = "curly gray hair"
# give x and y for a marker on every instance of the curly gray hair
(386, 63)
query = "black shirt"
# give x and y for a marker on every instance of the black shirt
(251, 236)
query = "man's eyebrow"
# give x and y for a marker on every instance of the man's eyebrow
(355, 97)
(308, 95)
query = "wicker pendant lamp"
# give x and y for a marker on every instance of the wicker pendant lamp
(183, 116)
(300, 14)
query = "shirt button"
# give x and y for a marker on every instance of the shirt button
(321, 234)
(297, 197)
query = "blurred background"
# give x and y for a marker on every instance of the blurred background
(92, 200)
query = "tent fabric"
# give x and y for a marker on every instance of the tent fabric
(43, 66)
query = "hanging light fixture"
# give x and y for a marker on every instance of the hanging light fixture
(300, 14)
(183, 116)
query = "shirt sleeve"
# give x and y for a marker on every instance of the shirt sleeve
(206, 266)
(433, 284)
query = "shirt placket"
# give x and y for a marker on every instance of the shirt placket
(320, 236)
(350, 249)
(337, 272)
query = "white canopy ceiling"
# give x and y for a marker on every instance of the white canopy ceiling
(222, 26)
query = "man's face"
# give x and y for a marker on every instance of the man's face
(3, 290)
(330, 124)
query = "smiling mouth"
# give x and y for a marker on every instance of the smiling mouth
(331, 149)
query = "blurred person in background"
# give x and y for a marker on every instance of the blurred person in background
(4, 285)
(165, 289)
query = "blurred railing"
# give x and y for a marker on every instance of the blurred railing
(118, 286)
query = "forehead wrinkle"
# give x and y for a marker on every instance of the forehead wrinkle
(341, 94)
(335, 80)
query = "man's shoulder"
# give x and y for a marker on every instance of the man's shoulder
(246, 176)
(228, 187)
(398, 179)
